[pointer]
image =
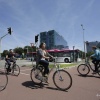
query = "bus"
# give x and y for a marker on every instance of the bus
(65, 56)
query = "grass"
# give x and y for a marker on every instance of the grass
(61, 65)
(64, 65)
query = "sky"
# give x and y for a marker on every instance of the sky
(28, 18)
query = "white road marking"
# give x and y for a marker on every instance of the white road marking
(25, 70)
(24, 74)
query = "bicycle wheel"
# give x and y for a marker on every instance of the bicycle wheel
(3, 80)
(83, 69)
(36, 76)
(15, 70)
(62, 80)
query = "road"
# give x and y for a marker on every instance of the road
(22, 88)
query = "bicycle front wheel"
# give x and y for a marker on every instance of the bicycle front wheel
(83, 69)
(62, 80)
(3, 80)
(16, 70)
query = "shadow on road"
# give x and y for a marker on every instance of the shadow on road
(89, 76)
(55, 89)
(32, 85)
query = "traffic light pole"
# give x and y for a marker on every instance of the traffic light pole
(0, 42)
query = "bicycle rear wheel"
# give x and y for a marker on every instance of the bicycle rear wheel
(3, 80)
(62, 80)
(36, 76)
(15, 70)
(83, 69)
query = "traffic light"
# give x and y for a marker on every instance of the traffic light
(9, 30)
(36, 38)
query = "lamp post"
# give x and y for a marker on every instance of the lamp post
(83, 41)
(73, 54)
(32, 45)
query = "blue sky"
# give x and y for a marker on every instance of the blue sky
(30, 17)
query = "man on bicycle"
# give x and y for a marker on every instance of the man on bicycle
(9, 59)
(96, 57)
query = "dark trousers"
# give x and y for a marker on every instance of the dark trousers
(95, 62)
(9, 62)
(45, 65)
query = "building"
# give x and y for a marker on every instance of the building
(90, 44)
(53, 40)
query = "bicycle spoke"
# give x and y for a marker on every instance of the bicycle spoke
(15, 70)
(62, 80)
(83, 69)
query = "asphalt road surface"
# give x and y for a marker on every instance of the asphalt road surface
(22, 88)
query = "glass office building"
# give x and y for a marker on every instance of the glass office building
(53, 40)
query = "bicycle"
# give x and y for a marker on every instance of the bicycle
(59, 76)
(3, 80)
(15, 69)
(84, 69)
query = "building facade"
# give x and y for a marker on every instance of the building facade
(90, 44)
(53, 40)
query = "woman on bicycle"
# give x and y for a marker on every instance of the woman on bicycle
(42, 58)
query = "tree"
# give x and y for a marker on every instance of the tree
(5, 52)
(19, 50)
(89, 54)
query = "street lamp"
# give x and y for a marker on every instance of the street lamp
(73, 53)
(83, 41)
(32, 45)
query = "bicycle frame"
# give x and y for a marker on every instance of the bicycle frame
(54, 66)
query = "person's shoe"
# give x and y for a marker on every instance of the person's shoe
(94, 72)
(46, 78)
(9, 69)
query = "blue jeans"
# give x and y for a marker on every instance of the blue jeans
(9, 63)
(45, 64)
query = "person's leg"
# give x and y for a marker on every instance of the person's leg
(9, 64)
(96, 65)
(45, 65)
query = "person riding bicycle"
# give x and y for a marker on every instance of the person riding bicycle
(95, 57)
(10, 58)
(42, 58)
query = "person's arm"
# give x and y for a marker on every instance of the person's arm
(94, 55)
(48, 54)
(7, 57)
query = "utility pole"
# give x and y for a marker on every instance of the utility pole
(73, 54)
(83, 41)
(32, 45)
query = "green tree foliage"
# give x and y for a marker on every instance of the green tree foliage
(5, 52)
(19, 50)
(89, 54)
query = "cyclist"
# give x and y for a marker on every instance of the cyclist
(10, 58)
(42, 58)
(95, 57)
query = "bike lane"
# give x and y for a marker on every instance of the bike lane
(22, 88)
